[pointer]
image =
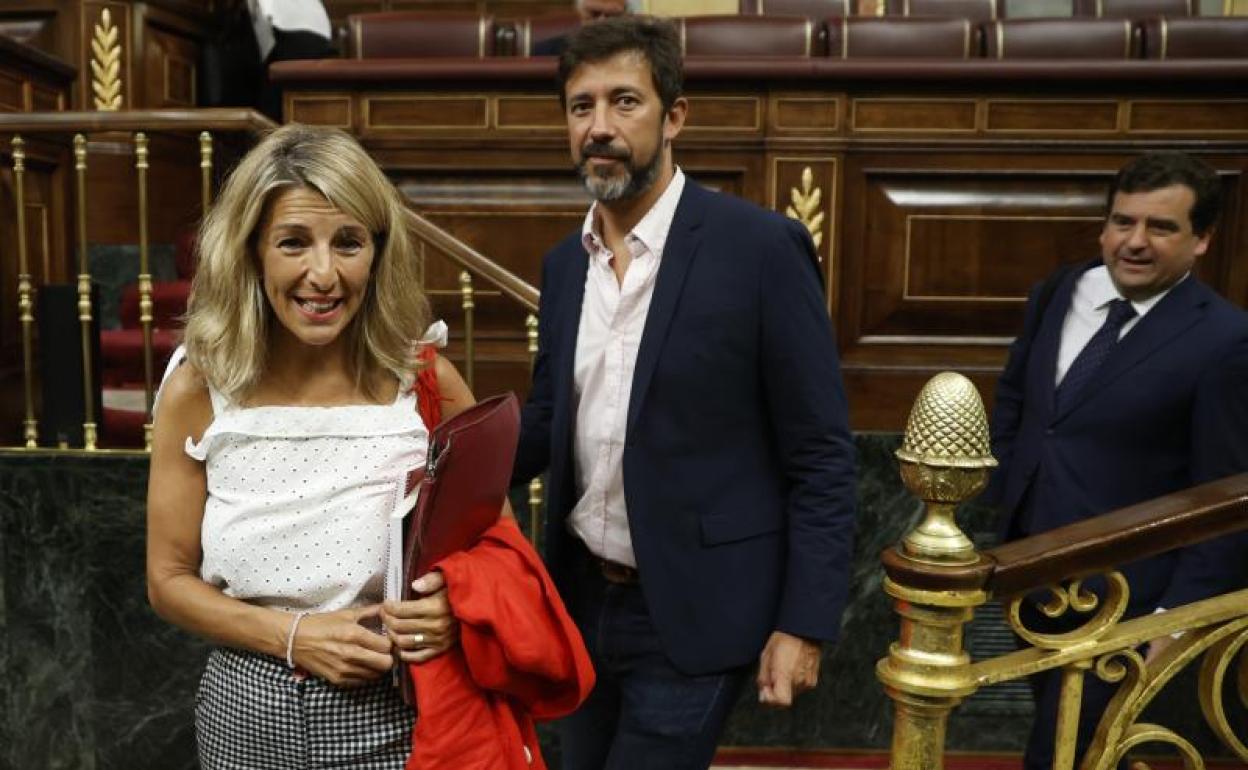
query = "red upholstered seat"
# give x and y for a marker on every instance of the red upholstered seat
(976, 10)
(1062, 39)
(417, 34)
(1223, 38)
(121, 351)
(749, 36)
(1134, 9)
(168, 304)
(864, 37)
(813, 9)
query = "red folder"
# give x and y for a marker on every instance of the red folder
(463, 484)
(461, 488)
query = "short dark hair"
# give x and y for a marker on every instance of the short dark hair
(1156, 170)
(656, 40)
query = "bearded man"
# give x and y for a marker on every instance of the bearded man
(688, 406)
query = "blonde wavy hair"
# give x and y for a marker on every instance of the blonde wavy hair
(228, 316)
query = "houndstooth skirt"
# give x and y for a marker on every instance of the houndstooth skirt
(251, 714)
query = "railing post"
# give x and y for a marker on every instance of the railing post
(944, 461)
(89, 436)
(145, 286)
(535, 486)
(25, 294)
(205, 171)
(468, 302)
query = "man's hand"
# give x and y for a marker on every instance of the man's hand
(789, 666)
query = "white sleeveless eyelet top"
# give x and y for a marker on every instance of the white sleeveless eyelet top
(302, 500)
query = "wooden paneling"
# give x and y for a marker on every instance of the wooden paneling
(933, 116)
(938, 204)
(112, 192)
(426, 112)
(159, 44)
(170, 63)
(724, 113)
(1221, 116)
(948, 254)
(327, 110)
(530, 112)
(1062, 116)
(804, 113)
(11, 93)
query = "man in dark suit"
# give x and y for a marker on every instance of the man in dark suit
(688, 405)
(1129, 381)
(589, 12)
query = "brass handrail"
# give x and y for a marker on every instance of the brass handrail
(467, 258)
(149, 121)
(937, 579)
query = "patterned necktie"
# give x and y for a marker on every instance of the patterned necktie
(1089, 360)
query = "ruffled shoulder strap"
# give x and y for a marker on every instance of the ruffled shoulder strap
(428, 396)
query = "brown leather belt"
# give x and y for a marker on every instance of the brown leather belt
(620, 574)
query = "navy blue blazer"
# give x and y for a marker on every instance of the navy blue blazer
(1167, 410)
(738, 462)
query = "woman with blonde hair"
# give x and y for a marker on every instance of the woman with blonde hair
(279, 453)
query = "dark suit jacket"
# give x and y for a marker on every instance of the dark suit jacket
(1167, 410)
(738, 463)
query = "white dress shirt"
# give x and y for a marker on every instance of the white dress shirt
(288, 16)
(613, 316)
(1089, 306)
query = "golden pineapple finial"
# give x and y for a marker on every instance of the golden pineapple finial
(945, 459)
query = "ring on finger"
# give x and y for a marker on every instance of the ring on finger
(418, 639)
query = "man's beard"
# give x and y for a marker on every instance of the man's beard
(633, 182)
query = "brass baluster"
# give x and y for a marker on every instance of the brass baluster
(205, 171)
(25, 294)
(944, 462)
(535, 511)
(84, 294)
(469, 303)
(145, 286)
(535, 486)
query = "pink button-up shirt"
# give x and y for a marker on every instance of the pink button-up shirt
(613, 316)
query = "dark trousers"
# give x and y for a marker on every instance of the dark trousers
(643, 713)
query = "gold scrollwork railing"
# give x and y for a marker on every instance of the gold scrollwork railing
(52, 128)
(938, 579)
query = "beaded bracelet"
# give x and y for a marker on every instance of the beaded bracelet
(290, 640)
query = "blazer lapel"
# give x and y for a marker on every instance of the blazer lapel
(1173, 315)
(1049, 336)
(567, 323)
(682, 244)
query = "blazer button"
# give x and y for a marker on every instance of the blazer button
(1049, 431)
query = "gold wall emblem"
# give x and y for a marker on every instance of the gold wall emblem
(106, 63)
(805, 206)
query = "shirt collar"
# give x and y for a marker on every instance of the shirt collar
(1101, 291)
(653, 228)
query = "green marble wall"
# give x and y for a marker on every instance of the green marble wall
(92, 679)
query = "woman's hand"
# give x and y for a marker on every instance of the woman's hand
(336, 647)
(423, 628)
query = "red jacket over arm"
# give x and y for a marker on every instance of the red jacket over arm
(520, 658)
